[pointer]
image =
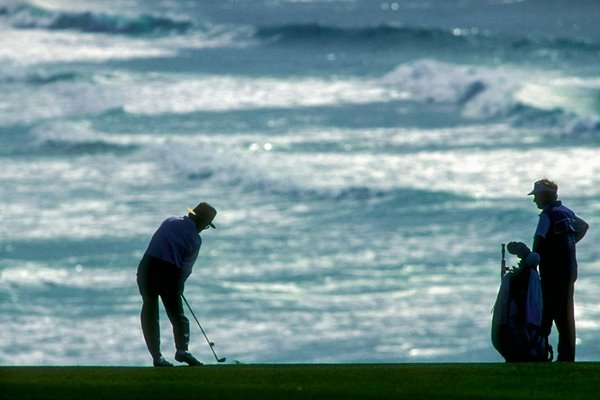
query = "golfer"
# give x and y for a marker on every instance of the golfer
(557, 232)
(163, 270)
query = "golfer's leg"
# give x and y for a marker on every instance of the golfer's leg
(548, 312)
(565, 325)
(150, 326)
(181, 324)
(149, 315)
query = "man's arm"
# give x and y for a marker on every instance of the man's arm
(188, 260)
(540, 233)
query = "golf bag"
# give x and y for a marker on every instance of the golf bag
(517, 315)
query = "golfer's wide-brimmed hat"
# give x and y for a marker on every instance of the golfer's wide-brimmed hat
(543, 186)
(203, 214)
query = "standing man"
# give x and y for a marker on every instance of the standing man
(557, 232)
(163, 270)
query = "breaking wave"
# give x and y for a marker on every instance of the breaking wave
(30, 16)
(392, 35)
(78, 138)
(39, 78)
(384, 35)
(486, 93)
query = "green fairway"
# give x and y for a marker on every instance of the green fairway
(570, 381)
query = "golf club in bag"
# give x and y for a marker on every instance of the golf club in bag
(517, 316)
(211, 344)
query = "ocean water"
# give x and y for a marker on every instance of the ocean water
(367, 159)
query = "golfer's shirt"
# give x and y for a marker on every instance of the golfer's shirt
(176, 241)
(558, 225)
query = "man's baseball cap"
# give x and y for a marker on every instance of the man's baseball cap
(543, 185)
(204, 213)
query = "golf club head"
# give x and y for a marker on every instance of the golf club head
(221, 360)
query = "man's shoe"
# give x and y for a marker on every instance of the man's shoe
(187, 357)
(161, 362)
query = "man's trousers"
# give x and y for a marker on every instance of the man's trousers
(157, 278)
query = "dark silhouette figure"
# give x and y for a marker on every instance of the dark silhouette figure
(162, 272)
(558, 230)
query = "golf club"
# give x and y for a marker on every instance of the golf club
(503, 268)
(211, 344)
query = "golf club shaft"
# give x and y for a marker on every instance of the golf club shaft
(210, 344)
(503, 262)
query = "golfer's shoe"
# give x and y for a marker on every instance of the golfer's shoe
(161, 362)
(187, 357)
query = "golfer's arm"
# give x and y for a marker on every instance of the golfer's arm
(540, 233)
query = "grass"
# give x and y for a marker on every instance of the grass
(572, 381)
